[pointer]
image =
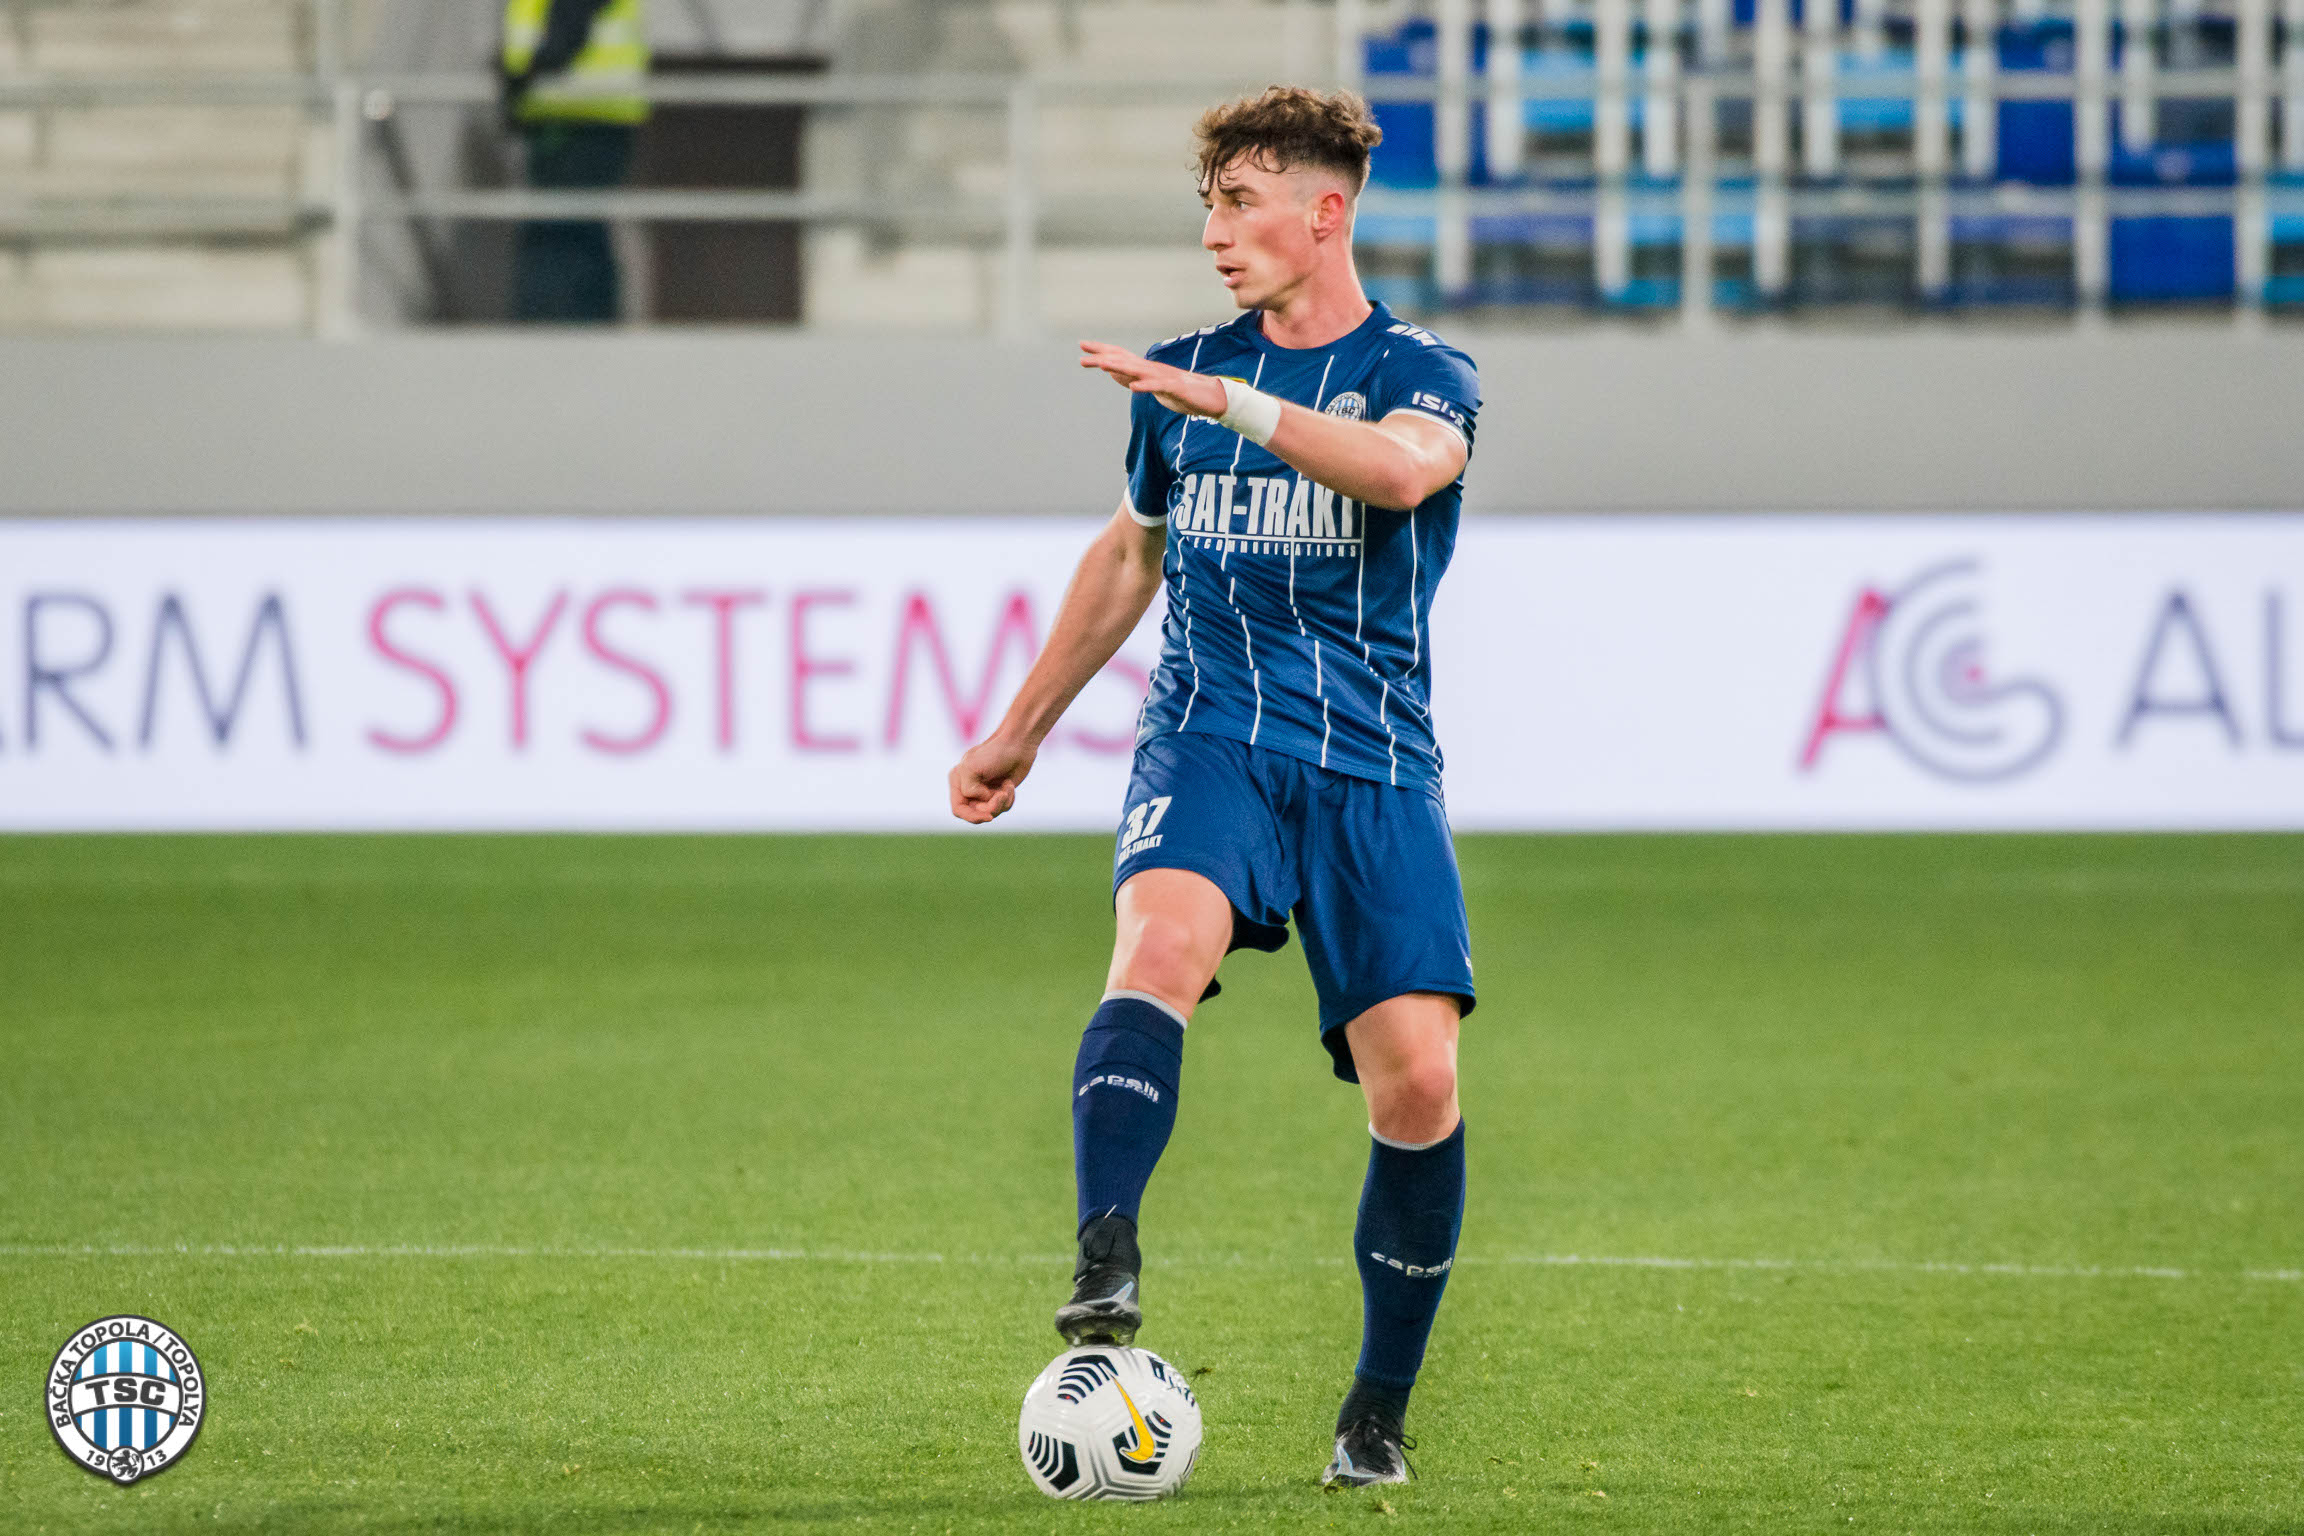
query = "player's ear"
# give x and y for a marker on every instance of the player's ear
(1331, 212)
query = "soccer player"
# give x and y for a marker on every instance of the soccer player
(1294, 478)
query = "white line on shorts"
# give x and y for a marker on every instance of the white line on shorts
(1233, 1260)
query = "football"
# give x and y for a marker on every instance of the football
(1107, 1422)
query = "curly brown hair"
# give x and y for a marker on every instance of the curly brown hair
(1289, 126)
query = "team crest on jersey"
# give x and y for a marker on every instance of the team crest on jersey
(125, 1397)
(1351, 405)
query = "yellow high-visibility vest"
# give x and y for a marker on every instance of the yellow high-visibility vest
(616, 53)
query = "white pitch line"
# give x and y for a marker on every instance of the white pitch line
(494, 1251)
(2269, 882)
(1904, 1267)
(856, 1256)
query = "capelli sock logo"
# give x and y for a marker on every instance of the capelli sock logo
(1415, 1271)
(1134, 1084)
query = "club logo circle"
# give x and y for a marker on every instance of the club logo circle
(1350, 405)
(125, 1397)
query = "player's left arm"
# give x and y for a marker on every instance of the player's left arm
(1398, 462)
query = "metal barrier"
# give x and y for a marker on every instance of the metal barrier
(1790, 76)
(1679, 173)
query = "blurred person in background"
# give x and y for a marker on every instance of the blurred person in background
(565, 269)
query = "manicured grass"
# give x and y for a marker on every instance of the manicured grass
(669, 1184)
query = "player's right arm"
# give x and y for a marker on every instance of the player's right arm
(1110, 590)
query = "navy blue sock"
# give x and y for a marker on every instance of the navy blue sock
(1123, 1101)
(1411, 1210)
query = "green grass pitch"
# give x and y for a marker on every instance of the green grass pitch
(606, 1185)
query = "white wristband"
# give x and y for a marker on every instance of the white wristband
(1252, 413)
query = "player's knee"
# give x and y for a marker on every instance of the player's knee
(1417, 1101)
(1163, 956)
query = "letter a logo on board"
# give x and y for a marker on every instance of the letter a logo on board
(1911, 664)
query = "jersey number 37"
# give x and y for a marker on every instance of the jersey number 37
(1142, 825)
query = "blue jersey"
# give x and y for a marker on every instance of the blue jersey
(1298, 619)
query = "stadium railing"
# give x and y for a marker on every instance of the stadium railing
(2158, 156)
(2028, 135)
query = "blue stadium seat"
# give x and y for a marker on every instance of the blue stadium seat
(2172, 259)
(1748, 11)
(1881, 114)
(2035, 137)
(1406, 157)
(1567, 62)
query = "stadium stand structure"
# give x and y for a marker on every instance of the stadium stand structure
(1111, 164)
(179, 163)
(2069, 154)
(142, 185)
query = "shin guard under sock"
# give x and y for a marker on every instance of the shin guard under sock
(1411, 1210)
(1124, 1100)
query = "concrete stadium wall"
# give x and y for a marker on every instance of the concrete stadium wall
(2148, 418)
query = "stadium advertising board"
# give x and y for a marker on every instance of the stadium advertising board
(1623, 672)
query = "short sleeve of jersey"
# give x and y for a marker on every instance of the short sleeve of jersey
(1432, 380)
(1148, 474)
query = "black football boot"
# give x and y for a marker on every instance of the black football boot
(1369, 1450)
(1371, 1446)
(1104, 1308)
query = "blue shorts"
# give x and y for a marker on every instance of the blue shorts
(1367, 869)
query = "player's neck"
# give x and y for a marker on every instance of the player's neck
(1328, 307)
